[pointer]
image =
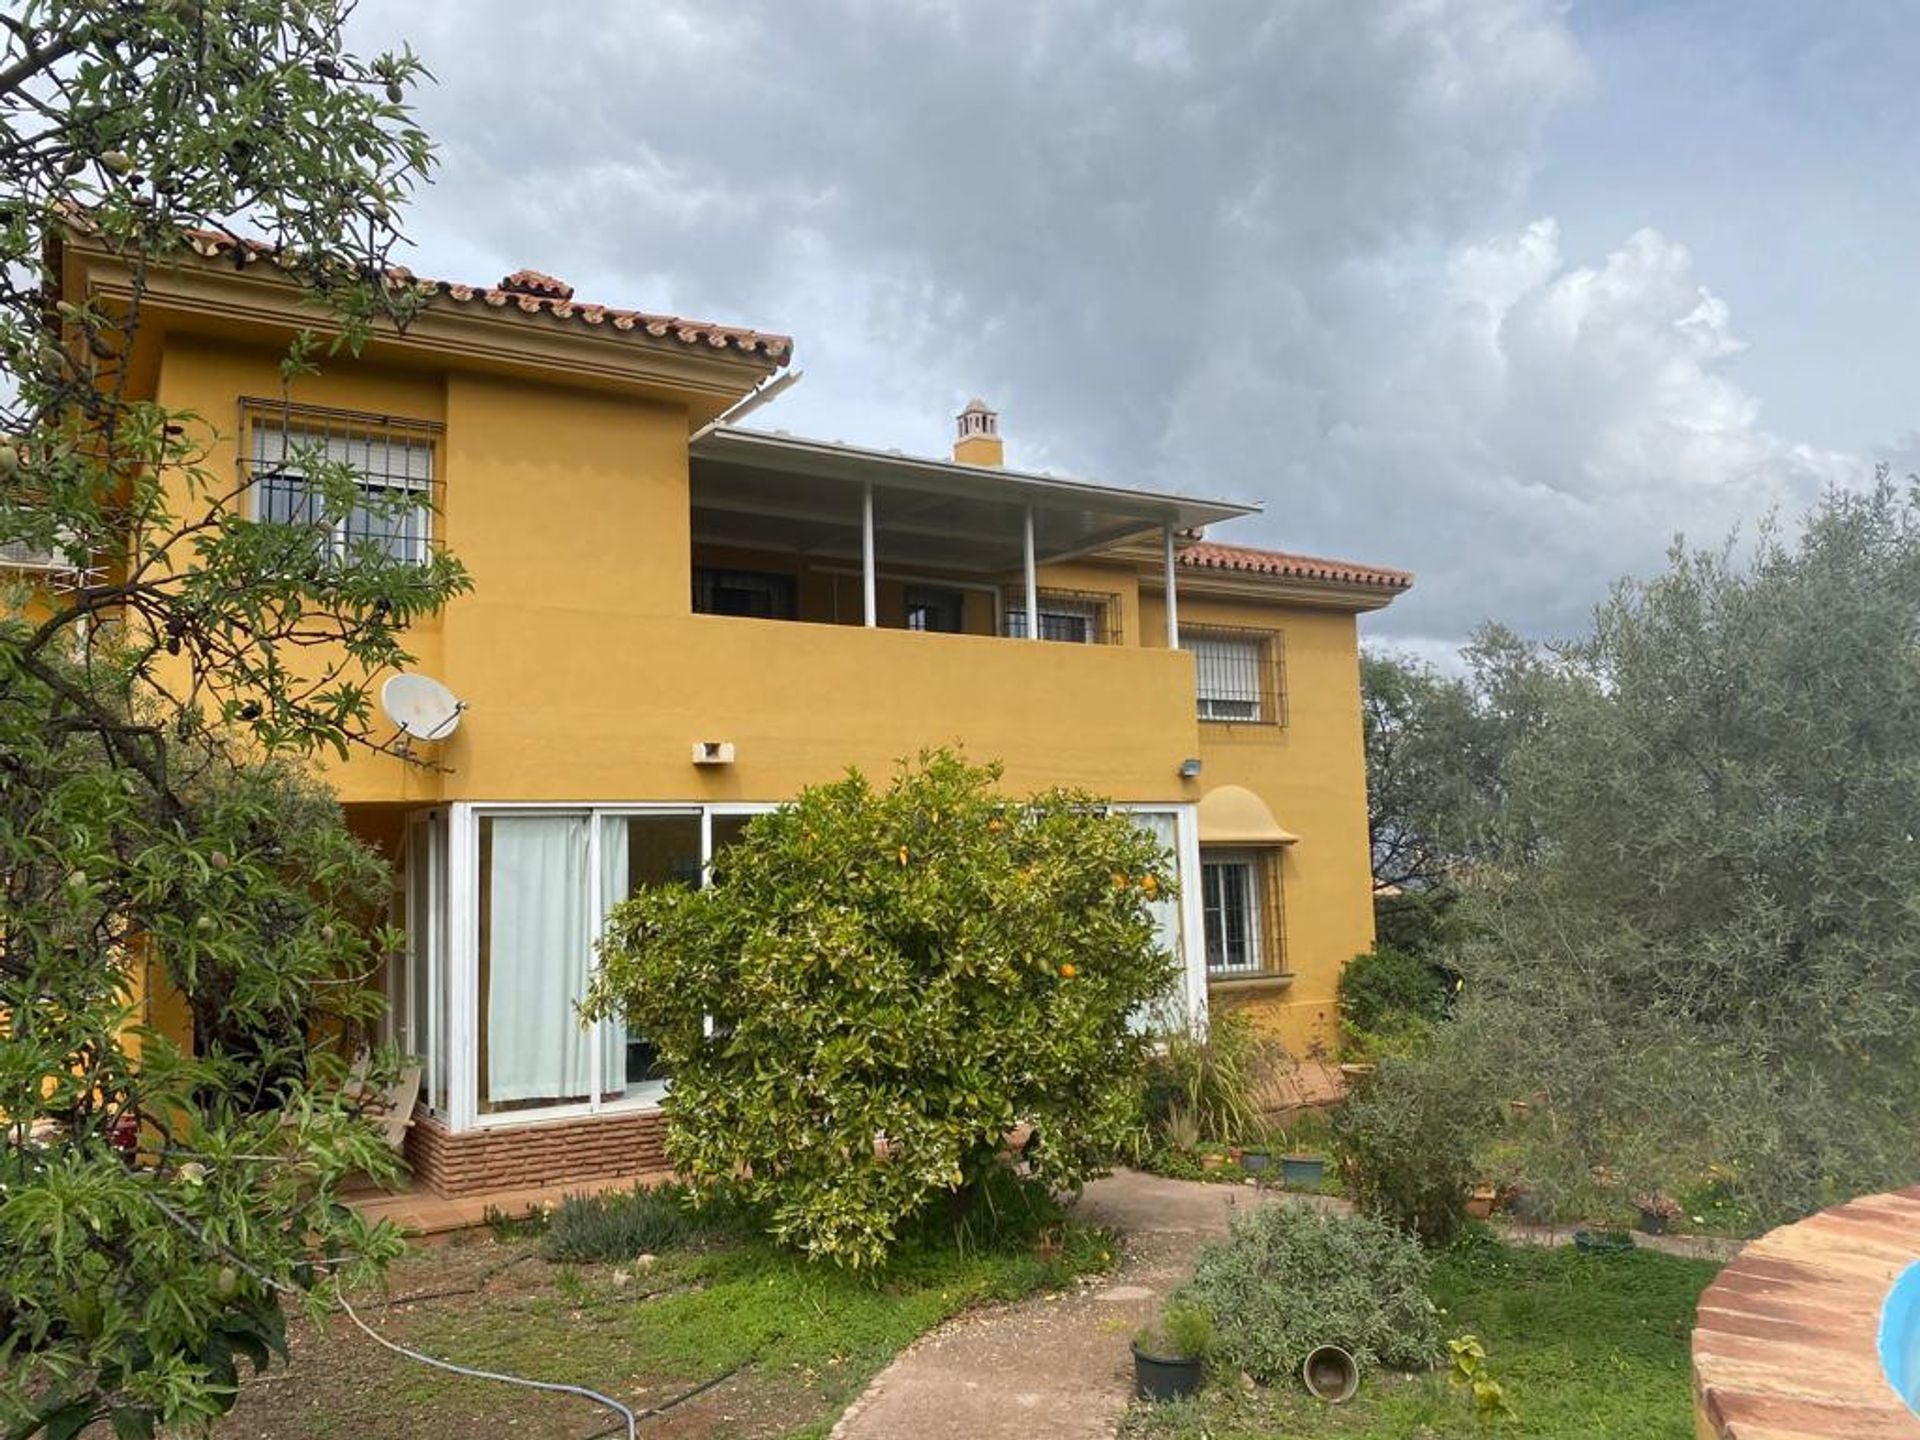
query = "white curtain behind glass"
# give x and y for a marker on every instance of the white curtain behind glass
(1164, 827)
(538, 956)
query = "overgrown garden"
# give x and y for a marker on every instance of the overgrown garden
(1662, 918)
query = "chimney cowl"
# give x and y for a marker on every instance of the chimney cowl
(976, 419)
(976, 435)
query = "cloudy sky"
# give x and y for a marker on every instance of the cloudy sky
(1503, 291)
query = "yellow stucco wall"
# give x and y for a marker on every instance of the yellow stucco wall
(1312, 773)
(588, 677)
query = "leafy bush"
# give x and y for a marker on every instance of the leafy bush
(1289, 1278)
(1382, 987)
(1407, 1141)
(618, 1225)
(878, 986)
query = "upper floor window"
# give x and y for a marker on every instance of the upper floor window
(392, 466)
(1074, 616)
(1237, 674)
(932, 607)
(756, 594)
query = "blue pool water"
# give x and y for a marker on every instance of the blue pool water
(1900, 1336)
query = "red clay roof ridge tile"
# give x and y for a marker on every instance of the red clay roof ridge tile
(1208, 555)
(534, 293)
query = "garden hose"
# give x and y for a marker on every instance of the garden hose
(604, 1401)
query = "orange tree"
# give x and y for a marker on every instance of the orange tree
(879, 986)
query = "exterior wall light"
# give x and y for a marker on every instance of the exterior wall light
(1190, 768)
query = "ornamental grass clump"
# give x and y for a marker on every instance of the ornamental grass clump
(881, 988)
(622, 1225)
(1288, 1279)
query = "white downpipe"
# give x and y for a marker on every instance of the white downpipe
(1033, 582)
(867, 576)
(1173, 601)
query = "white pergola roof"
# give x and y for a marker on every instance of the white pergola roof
(764, 489)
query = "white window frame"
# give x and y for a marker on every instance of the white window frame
(464, 1093)
(1087, 614)
(426, 839)
(1213, 653)
(461, 956)
(1186, 856)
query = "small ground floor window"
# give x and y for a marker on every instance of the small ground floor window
(1240, 906)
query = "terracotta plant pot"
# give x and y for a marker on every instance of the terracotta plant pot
(1480, 1202)
(1212, 1160)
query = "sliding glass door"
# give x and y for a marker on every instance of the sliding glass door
(637, 851)
(417, 1009)
(530, 890)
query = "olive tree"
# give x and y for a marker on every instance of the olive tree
(1706, 960)
(159, 693)
(880, 987)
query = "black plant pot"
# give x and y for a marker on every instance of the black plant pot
(1165, 1377)
(1652, 1222)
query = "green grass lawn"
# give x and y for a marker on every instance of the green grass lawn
(1593, 1347)
(790, 1342)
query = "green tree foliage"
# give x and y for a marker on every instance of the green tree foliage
(1384, 987)
(1705, 956)
(1438, 748)
(158, 1208)
(879, 985)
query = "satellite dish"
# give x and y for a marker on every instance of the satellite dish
(421, 706)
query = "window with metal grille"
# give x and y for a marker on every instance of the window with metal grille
(1237, 675)
(756, 594)
(931, 607)
(392, 465)
(1077, 617)
(1240, 909)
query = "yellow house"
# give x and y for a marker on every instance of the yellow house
(680, 618)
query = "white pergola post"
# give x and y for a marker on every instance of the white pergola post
(1033, 583)
(1173, 602)
(868, 589)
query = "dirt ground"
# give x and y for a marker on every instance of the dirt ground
(499, 1305)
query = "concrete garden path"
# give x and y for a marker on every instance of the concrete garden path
(1056, 1365)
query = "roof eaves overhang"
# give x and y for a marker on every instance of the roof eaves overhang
(261, 298)
(1127, 514)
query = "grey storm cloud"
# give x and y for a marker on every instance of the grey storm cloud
(1269, 251)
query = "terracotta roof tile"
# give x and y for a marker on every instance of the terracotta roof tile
(1205, 555)
(535, 293)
